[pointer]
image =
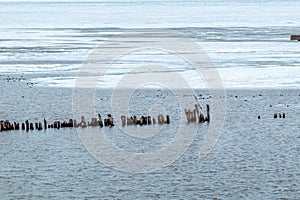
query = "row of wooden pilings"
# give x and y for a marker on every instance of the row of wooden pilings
(279, 115)
(109, 121)
(193, 114)
(144, 120)
(276, 115)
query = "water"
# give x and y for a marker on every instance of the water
(45, 44)
(247, 41)
(252, 159)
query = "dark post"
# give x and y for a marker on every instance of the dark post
(149, 120)
(207, 113)
(45, 123)
(31, 126)
(40, 126)
(27, 125)
(168, 119)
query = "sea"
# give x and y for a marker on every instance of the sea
(152, 51)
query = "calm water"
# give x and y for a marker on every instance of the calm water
(252, 159)
(248, 42)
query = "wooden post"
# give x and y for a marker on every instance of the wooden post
(100, 121)
(207, 113)
(134, 120)
(55, 125)
(110, 120)
(40, 126)
(168, 119)
(45, 123)
(154, 120)
(27, 125)
(295, 37)
(31, 126)
(17, 126)
(83, 122)
(188, 115)
(149, 120)
(123, 119)
(144, 120)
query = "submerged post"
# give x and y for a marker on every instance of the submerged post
(295, 37)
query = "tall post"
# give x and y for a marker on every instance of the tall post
(207, 113)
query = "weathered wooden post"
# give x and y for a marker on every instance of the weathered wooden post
(129, 121)
(27, 125)
(70, 123)
(207, 113)
(134, 120)
(45, 123)
(149, 122)
(295, 37)
(188, 115)
(140, 121)
(110, 120)
(201, 118)
(17, 126)
(161, 119)
(153, 120)
(40, 126)
(31, 126)
(168, 119)
(55, 125)
(145, 120)
(100, 121)
(194, 115)
(75, 123)
(123, 119)
(94, 122)
(83, 122)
